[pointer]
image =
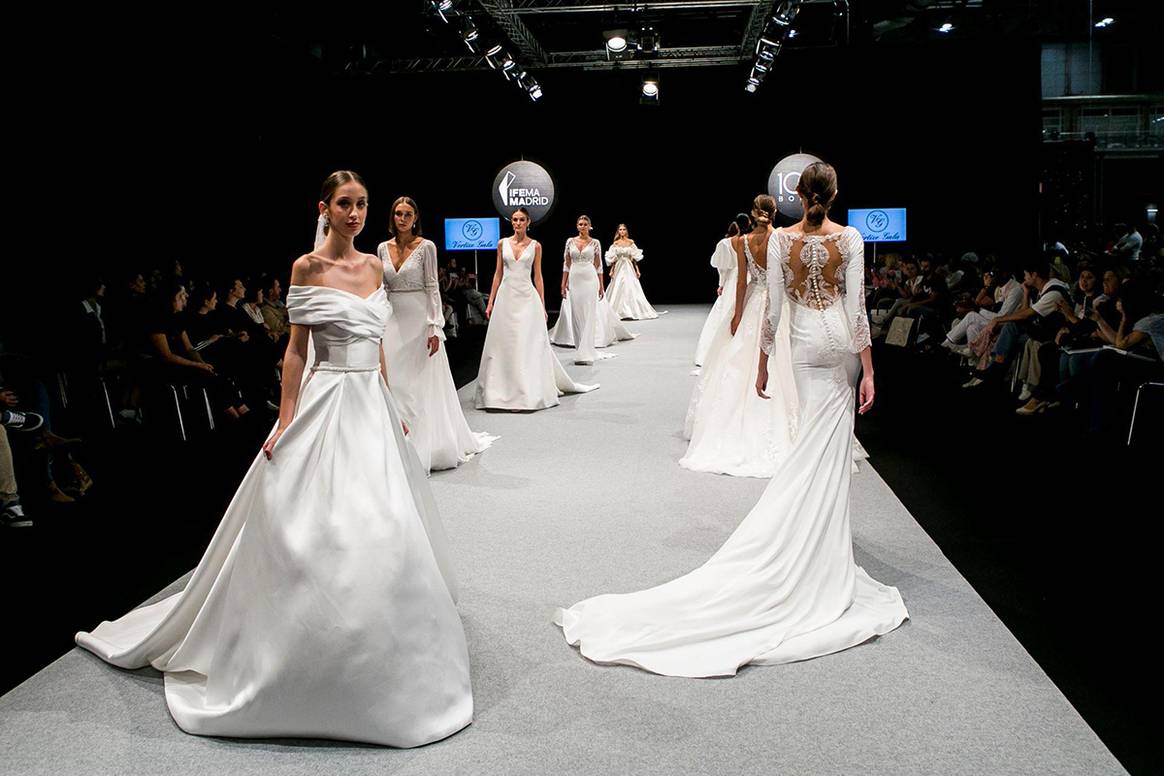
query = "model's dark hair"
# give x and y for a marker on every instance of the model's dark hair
(818, 186)
(392, 216)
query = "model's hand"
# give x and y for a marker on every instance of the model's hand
(488, 311)
(601, 292)
(637, 273)
(762, 381)
(719, 291)
(866, 394)
(404, 426)
(546, 315)
(564, 290)
(735, 323)
(434, 344)
(269, 445)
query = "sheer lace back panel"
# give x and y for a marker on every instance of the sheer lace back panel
(818, 270)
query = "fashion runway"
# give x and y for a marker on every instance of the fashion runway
(588, 498)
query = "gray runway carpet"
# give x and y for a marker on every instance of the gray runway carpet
(587, 498)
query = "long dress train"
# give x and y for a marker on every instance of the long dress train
(784, 586)
(324, 605)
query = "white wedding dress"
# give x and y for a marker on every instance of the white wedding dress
(608, 329)
(423, 384)
(324, 605)
(582, 298)
(625, 292)
(519, 370)
(731, 429)
(724, 261)
(784, 586)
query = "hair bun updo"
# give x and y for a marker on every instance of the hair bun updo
(818, 186)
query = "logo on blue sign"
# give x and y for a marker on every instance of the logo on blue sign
(877, 220)
(472, 230)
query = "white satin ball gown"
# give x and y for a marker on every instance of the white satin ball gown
(724, 262)
(582, 298)
(625, 293)
(519, 370)
(732, 430)
(423, 384)
(784, 586)
(324, 605)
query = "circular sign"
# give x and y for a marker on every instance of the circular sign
(782, 183)
(471, 230)
(877, 220)
(523, 184)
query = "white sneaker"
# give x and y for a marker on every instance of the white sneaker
(949, 345)
(972, 382)
(1026, 393)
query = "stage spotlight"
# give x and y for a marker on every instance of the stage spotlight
(650, 92)
(441, 8)
(1106, 21)
(946, 27)
(786, 12)
(792, 34)
(617, 44)
(535, 92)
(648, 42)
(470, 33)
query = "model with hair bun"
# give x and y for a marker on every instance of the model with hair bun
(731, 429)
(784, 587)
(626, 293)
(324, 606)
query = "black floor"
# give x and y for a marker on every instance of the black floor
(1057, 536)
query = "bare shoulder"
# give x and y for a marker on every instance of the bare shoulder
(374, 263)
(305, 268)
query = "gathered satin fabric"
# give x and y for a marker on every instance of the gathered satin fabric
(784, 586)
(625, 291)
(324, 606)
(519, 370)
(422, 384)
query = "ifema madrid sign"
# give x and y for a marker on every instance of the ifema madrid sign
(523, 184)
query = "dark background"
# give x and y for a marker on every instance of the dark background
(213, 150)
(141, 140)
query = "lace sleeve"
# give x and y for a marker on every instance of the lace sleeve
(598, 255)
(566, 256)
(853, 250)
(775, 292)
(435, 317)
